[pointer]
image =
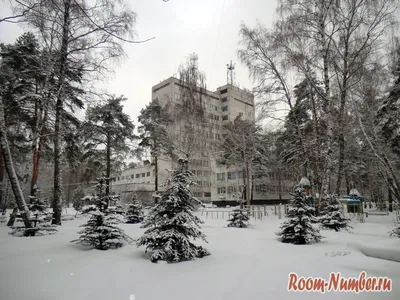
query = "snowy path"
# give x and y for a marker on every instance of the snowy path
(245, 264)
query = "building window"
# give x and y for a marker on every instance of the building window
(137, 175)
(230, 189)
(207, 194)
(221, 190)
(132, 176)
(224, 118)
(216, 118)
(220, 176)
(199, 173)
(216, 108)
(148, 174)
(123, 177)
(224, 91)
(225, 108)
(143, 174)
(231, 175)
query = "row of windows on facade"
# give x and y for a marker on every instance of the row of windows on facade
(231, 175)
(200, 183)
(201, 194)
(230, 189)
(201, 172)
(265, 188)
(258, 188)
(132, 176)
(205, 104)
(200, 162)
(240, 175)
(214, 117)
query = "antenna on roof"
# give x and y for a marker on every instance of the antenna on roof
(230, 73)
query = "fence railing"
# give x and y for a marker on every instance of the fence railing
(255, 211)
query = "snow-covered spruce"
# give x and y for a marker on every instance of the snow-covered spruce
(39, 216)
(171, 223)
(101, 230)
(298, 229)
(118, 209)
(332, 216)
(134, 213)
(239, 218)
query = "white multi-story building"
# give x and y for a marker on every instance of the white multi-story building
(215, 183)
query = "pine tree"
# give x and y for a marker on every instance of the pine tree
(332, 216)
(299, 228)
(153, 134)
(240, 217)
(134, 213)
(171, 223)
(107, 125)
(101, 230)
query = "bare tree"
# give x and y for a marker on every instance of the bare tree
(244, 148)
(83, 37)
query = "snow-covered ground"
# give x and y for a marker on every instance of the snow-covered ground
(244, 264)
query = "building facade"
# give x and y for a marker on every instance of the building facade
(214, 183)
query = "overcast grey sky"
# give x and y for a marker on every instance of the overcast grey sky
(180, 27)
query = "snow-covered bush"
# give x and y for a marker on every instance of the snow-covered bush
(332, 216)
(395, 232)
(171, 223)
(298, 229)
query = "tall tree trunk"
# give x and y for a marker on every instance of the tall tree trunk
(341, 120)
(244, 184)
(328, 107)
(57, 209)
(108, 167)
(2, 190)
(12, 175)
(156, 177)
(346, 177)
(248, 188)
(35, 146)
(390, 196)
(252, 189)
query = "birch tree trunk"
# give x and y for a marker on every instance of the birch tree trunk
(12, 175)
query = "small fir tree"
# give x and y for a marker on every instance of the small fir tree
(239, 218)
(134, 212)
(332, 216)
(299, 228)
(78, 200)
(171, 223)
(101, 230)
(39, 208)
